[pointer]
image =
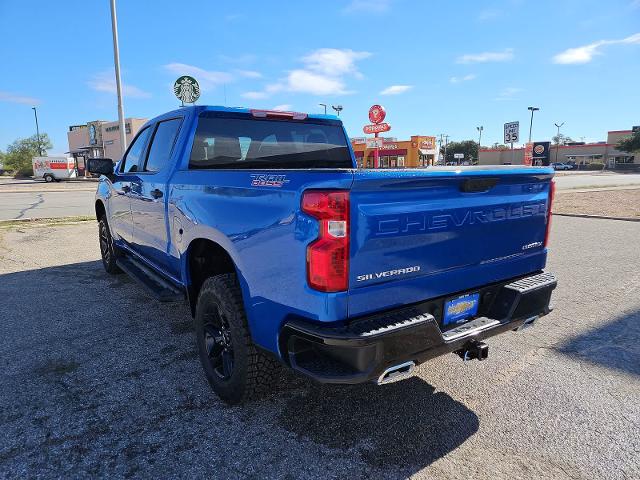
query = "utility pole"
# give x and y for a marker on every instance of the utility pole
(532, 109)
(116, 61)
(446, 142)
(558, 139)
(480, 128)
(35, 113)
(325, 107)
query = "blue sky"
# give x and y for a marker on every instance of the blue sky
(437, 66)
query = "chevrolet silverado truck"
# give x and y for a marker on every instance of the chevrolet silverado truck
(287, 254)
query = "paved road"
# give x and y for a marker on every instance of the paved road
(100, 381)
(29, 199)
(568, 181)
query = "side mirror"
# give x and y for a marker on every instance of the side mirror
(101, 166)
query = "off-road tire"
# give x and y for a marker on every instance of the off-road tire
(108, 250)
(253, 371)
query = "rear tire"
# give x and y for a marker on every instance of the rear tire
(108, 250)
(48, 178)
(236, 370)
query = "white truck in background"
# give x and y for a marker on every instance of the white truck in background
(54, 168)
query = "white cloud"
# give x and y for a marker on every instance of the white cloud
(484, 57)
(324, 73)
(396, 89)
(15, 98)
(585, 53)
(334, 62)
(508, 93)
(368, 6)
(466, 78)
(285, 107)
(106, 82)
(207, 79)
(249, 73)
(304, 81)
(254, 95)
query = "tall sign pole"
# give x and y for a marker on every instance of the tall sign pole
(116, 61)
(377, 113)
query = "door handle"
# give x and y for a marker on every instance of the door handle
(156, 193)
(126, 188)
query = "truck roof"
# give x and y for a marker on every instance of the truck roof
(197, 109)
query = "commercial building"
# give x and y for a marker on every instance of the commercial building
(99, 139)
(419, 151)
(577, 153)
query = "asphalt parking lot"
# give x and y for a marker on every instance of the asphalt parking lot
(98, 380)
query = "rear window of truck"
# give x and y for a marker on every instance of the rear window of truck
(237, 141)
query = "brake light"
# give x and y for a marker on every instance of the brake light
(328, 255)
(278, 114)
(552, 192)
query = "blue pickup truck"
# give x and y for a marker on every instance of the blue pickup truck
(289, 255)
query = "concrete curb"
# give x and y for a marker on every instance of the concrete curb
(76, 218)
(65, 190)
(600, 217)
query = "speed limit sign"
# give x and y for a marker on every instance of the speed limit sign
(511, 132)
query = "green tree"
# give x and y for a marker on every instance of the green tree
(561, 139)
(630, 144)
(467, 147)
(21, 152)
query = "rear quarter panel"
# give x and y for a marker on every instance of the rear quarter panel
(266, 235)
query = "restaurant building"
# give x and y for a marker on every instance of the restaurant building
(419, 151)
(581, 154)
(99, 139)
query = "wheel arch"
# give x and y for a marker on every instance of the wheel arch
(100, 209)
(205, 258)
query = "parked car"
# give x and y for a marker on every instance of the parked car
(561, 166)
(288, 255)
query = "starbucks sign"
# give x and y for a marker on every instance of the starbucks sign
(186, 88)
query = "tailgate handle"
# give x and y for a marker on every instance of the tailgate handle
(474, 185)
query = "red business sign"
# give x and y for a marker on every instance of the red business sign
(377, 114)
(377, 128)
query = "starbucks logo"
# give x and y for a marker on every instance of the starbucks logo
(186, 88)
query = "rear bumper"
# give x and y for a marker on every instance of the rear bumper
(364, 348)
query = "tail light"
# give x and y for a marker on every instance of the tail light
(278, 114)
(328, 256)
(552, 192)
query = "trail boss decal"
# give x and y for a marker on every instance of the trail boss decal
(387, 273)
(268, 180)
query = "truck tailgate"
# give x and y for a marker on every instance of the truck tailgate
(421, 234)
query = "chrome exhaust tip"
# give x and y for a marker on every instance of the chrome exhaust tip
(397, 372)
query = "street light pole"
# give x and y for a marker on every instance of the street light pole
(532, 109)
(325, 107)
(558, 139)
(116, 61)
(35, 113)
(337, 108)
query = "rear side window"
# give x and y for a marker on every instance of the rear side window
(132, 159)
(244, 142)
(162, 145)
